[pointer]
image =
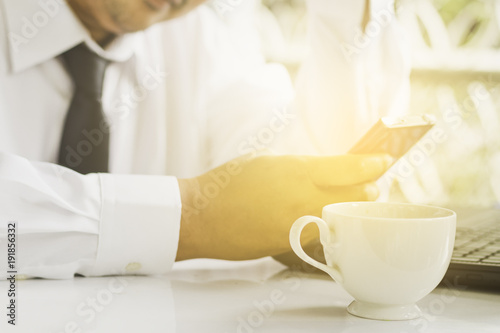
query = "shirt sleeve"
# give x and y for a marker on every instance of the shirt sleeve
(95, 224)
(357, 70)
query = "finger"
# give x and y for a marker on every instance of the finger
(345, 170)
(314, 249)
(362, 192)
(313, 202)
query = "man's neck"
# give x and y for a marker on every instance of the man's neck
(103, 39)
(83, 10)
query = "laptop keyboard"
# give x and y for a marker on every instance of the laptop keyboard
(477, 246)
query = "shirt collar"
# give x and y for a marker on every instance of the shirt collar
(41, 30)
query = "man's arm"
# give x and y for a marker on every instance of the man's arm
(357, 71)
(95, 224)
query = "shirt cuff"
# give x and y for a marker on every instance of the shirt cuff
(140, 222)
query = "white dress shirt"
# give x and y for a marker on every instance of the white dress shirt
(181, 97)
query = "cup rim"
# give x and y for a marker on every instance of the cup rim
(449, 212)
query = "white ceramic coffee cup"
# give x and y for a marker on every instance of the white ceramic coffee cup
(386, 255)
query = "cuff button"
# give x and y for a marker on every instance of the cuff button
(133, 267)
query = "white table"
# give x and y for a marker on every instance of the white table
(225, 297)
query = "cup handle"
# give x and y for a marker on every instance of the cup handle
(325, 239)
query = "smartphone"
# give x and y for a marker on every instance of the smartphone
(394, 136)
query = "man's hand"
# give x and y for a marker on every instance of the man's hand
(244, 209)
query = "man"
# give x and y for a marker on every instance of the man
(179, 97)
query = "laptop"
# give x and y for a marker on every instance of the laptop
(475, 260)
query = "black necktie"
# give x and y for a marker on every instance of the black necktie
(85, 139)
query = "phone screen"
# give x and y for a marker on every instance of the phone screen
(394, 136)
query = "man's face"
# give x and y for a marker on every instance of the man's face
(122, 16)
